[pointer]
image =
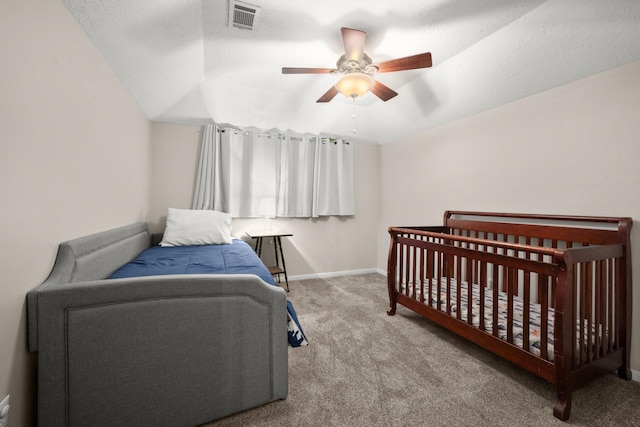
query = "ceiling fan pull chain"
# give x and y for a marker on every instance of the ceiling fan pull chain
(353, 99)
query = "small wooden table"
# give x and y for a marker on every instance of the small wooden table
(275, 270)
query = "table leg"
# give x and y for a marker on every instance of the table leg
(258, 247)
(278, 244)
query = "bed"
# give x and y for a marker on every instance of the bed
(549, 293)
(236, 257)
(129, 332)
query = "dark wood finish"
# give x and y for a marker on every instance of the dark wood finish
(381, 91)
(421, 60)
(353, 41)
(298, 70)
(577, 268)
(328, 95)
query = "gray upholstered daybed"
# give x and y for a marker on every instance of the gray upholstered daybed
(173, 350)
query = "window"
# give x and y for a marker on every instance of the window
(242, 171)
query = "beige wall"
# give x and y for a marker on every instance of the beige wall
(175, 153)
(318, 246)
(75, 158)
(572, 150)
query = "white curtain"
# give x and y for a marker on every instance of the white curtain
(295, 176)
(333, 169)
(251, 173)
(213, 173)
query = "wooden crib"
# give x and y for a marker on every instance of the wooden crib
(550, 293)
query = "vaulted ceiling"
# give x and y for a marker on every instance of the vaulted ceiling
(184, 63)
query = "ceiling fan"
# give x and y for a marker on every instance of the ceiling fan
(358, 69)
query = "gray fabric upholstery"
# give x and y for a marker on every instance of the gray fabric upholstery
(164, 350)
(89, 258)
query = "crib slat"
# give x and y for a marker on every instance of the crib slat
(430, 263)
(495, 300)
(414, 265)
(439, 280)
(483, 286)
(526, 318)
(543, 287)
(510, 285)
(423, 253)
(473, 274)
(401, 251)
(459, 288)
(590, 342)
(574, 331)
(598, 299)
(606, 327)
(609, 309)
(615, 309)
(470, 301)
(449, 275)
(406, 264)
(538, 257)
(582, 314)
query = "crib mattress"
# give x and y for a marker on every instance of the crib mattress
(535, 315)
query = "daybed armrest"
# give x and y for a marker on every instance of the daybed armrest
(88, 258)
(197, 341)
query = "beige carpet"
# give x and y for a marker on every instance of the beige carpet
(364, 368)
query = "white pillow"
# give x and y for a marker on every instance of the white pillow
(196, 227)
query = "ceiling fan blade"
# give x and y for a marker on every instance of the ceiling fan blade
(422, 60)
(381, 91)
(293, 70)
(353, 41)
(328, 95)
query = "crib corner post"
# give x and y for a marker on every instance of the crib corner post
(624, 371)
(562, 407)
(563, 345)
(564, 386)
(391, 271)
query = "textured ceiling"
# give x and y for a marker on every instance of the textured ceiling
(183, 63)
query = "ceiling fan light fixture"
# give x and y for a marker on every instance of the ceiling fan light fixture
(354, 85)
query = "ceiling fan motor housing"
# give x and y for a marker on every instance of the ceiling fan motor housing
(346, 66)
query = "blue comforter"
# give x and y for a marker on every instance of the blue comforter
(235, 258)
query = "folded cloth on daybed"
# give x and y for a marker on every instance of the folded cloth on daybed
(535, 316)
(235, 258)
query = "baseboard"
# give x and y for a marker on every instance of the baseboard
(333, 274)
(635, 376)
